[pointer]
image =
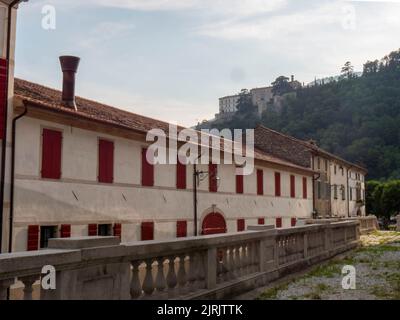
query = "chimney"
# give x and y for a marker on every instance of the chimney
(292, 78)
(69, 66)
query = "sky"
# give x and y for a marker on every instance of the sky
(172, 59)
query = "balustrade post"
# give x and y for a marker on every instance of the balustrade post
(160, 278)
(148, 285)
(305, 241)
(135, 287)
(193, 264)
(4, 286)
(171, 276)
(182, 274)
(211, 268)
(28, 283)
(262, 255)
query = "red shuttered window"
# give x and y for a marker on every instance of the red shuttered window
(181, 229)
(212, 177)
(65, 231)
(3, 94)
(117, 230)
(147, 231)
(51, 154)
(260, 182)
(180, 176)
(292, 186)
(33, 238)
(277, 184)
(279, 222)
(147, 170)
(239, 184)
(241, 225)
(293, 222)
(106, 161)
(304, 188)
(92, 230)
(261, 221)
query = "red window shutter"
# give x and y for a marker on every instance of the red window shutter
(181, 229)
(106, 161)
(260, 182)
(241, 225)
(33, 238)
(117, 230)
(180, 175)
(261, 221)
(277, 184)
(293, 222)
(279, 222)
(51, 154)
(147, 171)
(65, 231)
(304, 188)
(292, 186)
(239, 184)
(92, 230)
(212, 177)
(147, 231)
(3, 95)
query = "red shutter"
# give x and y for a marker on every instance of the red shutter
(106, 161)
(117, 230)
(147, 171)
(3, 95)
(92, 230)
(33, 238)
(261, 221)
(292, 186)
(304, 188)
(65, 231)
(279, 222)
(51, 154)
(293, 222)
(241, 225)
(212, 177)
(147, 231)
(239, 184)
(180, 176)
(260, 182)
(181, 229)
(277, 184)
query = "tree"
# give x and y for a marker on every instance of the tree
(371, 67)
(245, 104)
(281, 86)
(347, 70)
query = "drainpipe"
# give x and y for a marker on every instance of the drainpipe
(13, 144)
(348, 194)
(4, 142)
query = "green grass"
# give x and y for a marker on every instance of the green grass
(272, 293)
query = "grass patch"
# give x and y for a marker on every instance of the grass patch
(329, 271)
(272, 293)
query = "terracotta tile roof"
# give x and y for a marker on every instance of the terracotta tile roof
(48, 98)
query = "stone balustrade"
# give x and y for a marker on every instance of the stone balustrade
(207, 267)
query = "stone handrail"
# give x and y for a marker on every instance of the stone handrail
(215, 266)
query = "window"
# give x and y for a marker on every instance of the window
(106, 161)
(335, 191)
(92, 230)
(33, 238)
(319, 185)
(326, 165)
(278, 222)
(343, 191)
(212, 177)
(239, 183)
(351, 194)
(180, 175)
(260, 182)
(65, 231)
(117, 230)
(46, 233)
(181, 229)
(51, 154)
(304, 188)
(293, 222)
(277, 184)
(292, 186)
(342, 170)
(334, 169)
(147, 170)
(319, 163)
(261, 221)
(104, 230)
(147, 231)
(241, 225)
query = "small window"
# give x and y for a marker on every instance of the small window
(319, 189)
(334, 169)
(46, 233)
(241, 225)
(335, 191)
(104, 230)
(51, 154)
(343, 190)
(326, 165)
(261, 221)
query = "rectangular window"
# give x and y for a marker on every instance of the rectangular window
(293, 222)
(260, 182)
(343, 191)
(106, 161)
(117, 230)
(278, 222)
(334, 169)
(212, 177)
(65, 231)
(304, 188)
(180, 175)
(319, 191)
(33, 238)
(92, 230)
(326, 165)
(261, 221)
(277, 184)
(181, 229)
(104, 230)
(147, 231)
(147, 170)
(292, 186)
(241, 225)
(46, 233)
(51, 154)
(335, 192)
(239, 184)
(351, 194)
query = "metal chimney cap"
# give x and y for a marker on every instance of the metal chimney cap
(69, 63)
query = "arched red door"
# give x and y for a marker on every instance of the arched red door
(213, 223)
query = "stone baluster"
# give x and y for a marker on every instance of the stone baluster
(201, 273)
(225, 267)
(4, 286)
(148, 284)
(171, 276)
(135, 287)
(28, 283)
(193, 264)
(160, 278)
(234, 263)
(241, 260)
(181, 274)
